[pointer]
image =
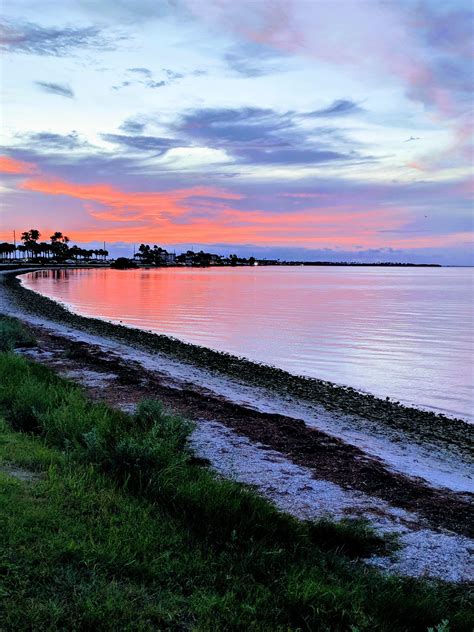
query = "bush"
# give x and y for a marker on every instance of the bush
(122, 263)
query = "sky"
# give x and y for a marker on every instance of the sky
(294, 129)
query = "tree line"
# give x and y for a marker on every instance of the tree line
(157, 256)
(57, 249)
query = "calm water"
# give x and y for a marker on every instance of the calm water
(403, 333)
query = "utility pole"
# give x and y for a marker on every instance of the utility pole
(14, 238)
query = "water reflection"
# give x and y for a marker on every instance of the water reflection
(403, 333)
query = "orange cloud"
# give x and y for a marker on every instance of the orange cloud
(17, 167)
(123, 206)
(318, 227)
(202, 214)
(175, 216)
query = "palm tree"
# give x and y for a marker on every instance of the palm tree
(144, 253)
(31, 235)
(45, 249)
(59, 237)
(7, 249)
(30, 239)
(75, 251)
(22, 249)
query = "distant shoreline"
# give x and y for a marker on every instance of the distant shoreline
(260, 264)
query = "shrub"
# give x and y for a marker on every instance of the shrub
(122, 263)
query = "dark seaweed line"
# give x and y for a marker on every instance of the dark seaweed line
(344, 399)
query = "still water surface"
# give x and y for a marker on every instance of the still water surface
(403, 333)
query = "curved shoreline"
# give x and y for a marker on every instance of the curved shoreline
(420, 423)
(309, 461)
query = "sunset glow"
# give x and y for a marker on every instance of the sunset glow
(236, 314)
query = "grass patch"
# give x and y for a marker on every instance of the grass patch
(19, 449)
(125, 531)
(147, 455)
(13, 334)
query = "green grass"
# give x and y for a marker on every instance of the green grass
(146, 454)
(13, 334)
(125, 531)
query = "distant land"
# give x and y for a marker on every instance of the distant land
(354, 263)
(58, 251)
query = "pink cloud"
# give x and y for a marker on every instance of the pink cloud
(123, 206)
(393, 42)
(16, 167)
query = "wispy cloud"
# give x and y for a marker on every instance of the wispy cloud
(58, 142)
(154, 144)
(61, 89)
(146, 72)
(251, 60)
(134, 125)
(146, 77)
(33, 39)
(341, 107)
(425, 46)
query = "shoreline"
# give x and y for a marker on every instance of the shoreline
(301, 470)
(307, 459)
(149, 526)
(338, 398)
(324, 264)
